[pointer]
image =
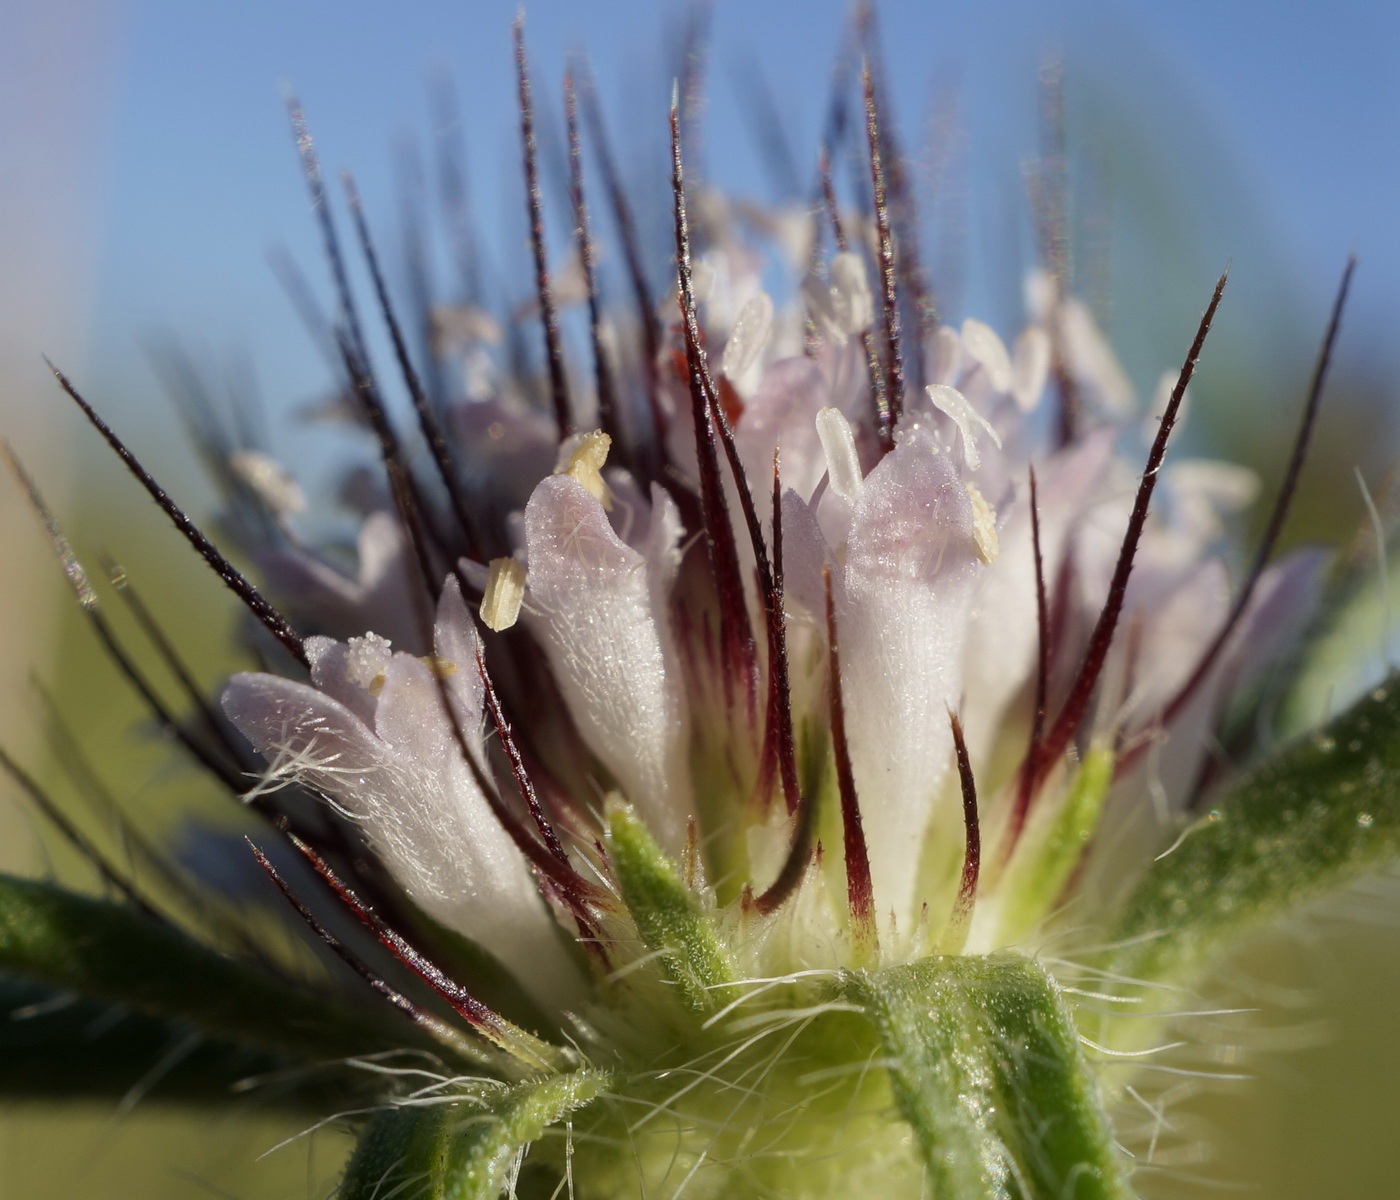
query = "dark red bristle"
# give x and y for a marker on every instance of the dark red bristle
(886, 418)
(554, 352)
(647, 317)
(780, 685)
(736, 634)
(860, 889)
(867, 337)
(462, 1001)
(320, 207)
(1077, 704)
(583, 239)
(1026, 778)
(517, 767)
(428, 422)
(424, 1020)
(1279, 513)
(272, 620)
(972, 854)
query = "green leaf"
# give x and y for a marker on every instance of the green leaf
(986, 1068)
(1322, 812)
(54, 1046)
(666, 913)
(464, 1149)
(106, 952)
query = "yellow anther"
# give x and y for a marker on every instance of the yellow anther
(505, 591)
(984, 526)
(582, 457)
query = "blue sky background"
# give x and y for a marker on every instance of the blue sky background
(1262, 133)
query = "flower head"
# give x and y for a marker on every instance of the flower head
(875, 671)
(805, 642)
(823, 645)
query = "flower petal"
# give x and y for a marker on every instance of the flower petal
(911, 568)
(601, 625)
(783, 415)
(418, 803)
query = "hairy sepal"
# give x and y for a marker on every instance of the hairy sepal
(986, 1068)
(468, 1149)
(667, 914)
(1323, 811)
(1052, 847)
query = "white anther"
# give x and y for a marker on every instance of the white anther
(746, 342)
(1030, 365)
(839, 444)
(954, 404)
(983, 344)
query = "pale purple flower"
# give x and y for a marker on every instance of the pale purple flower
(632, 674)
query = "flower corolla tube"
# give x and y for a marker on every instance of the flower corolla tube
(691, 687)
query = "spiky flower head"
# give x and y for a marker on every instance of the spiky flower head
(719, 731)
(799, 642)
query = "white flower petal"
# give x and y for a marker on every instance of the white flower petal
(982, 344)
(1146, 805)
(805, 554)
(1003, 625)
(408, 788)
(380, 596)
(911, 568)
(338, 675)
(783, 414)
(594, 610)
(457, 646)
